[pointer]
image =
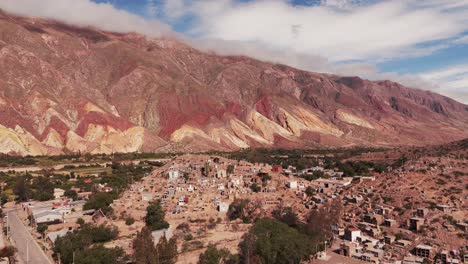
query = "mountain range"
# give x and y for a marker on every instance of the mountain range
(65, 88)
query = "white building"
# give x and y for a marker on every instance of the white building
(223, 207)
(292, 184)
(221, 173)
(58, 193)
(351, 234)
(48, 217)
(173, 173)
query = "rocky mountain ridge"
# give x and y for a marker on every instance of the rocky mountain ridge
(65, 89)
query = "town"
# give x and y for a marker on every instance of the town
(408, 213)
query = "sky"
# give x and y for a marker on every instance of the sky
(419, 43)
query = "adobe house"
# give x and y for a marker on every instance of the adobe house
(390, 223)
(416, 223)
(389, 239)
(423, 251)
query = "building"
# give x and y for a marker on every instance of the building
(445, 258)
(444, 208)
(223, 207)
(351, 234)
(173, 173)
(48, 217)
(276, 168)
(423, 251)
(416, 223)
(221, 173)
(375, 219)
(350, 249)
(390, 223)
(402, 243)
(52, 236)
(412, 260)
(58, 193)
(292, 184)
(328, 183)
(389, 239)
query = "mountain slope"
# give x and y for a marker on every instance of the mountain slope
(65, 88)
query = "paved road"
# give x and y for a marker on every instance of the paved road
(23, 240)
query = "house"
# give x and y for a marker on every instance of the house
(446, 258)
(52, 236)
(221, 173)
(402, 243)
(329, 183)
(276, 168)
(48, 217)
(423, 251)
(444, 208)
(412, 260)
(349, 249)
(416, 223)
(375, 219)
(173, 173)
(351, 234)
(147, 196)
(223, 207)
(58, 193)
(389, 223)
(292, 185)
(389, 239)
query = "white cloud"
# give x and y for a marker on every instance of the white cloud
(371, 32)
(151, 7)
(87, 13)
(316, 38)
(452, 81)
(461, 41)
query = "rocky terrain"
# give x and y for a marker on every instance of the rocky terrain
(69, 89)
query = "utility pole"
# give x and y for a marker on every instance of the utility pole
(8, 227)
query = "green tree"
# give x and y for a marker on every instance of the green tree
(100, 200)
(22, 191)
(213, 256)
(100, 255)
(72, 194)
(271, 241)
(41, 229)
(144, 250)
(167, 250)
(309, 191)
(236, 208)
(319, 222)
(286, 215)
(155, 216)
(82, 241)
